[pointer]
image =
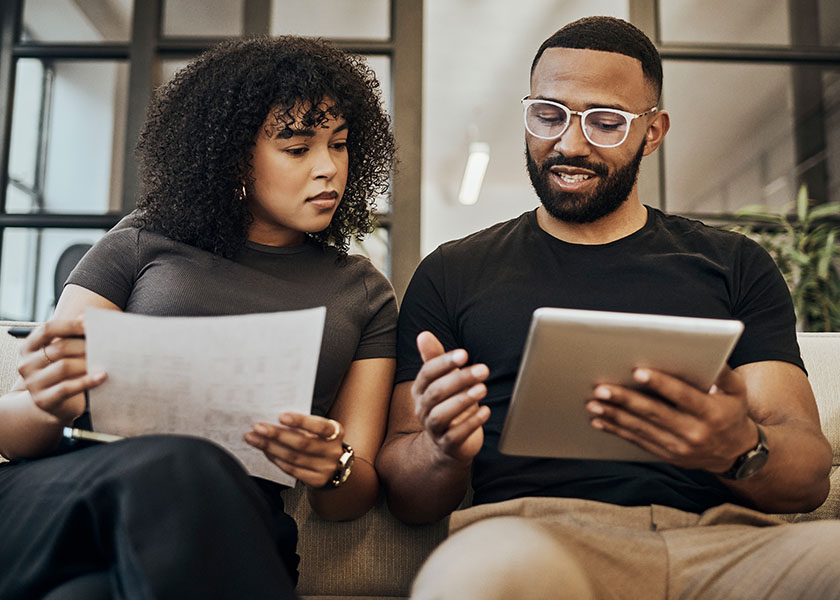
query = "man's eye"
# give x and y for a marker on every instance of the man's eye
(551, 117)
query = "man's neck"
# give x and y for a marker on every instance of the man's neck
(629, 218)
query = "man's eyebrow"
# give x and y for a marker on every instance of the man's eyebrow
(588, 106)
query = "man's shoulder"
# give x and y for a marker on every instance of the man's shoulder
(689, 229)
(489, 237)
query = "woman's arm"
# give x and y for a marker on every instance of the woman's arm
(49, 393)
(361, 409)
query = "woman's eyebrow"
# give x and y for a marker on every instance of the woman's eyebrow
(291, 131)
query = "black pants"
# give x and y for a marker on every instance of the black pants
(148, 517)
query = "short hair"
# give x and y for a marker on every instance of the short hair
(609, 34)
(195, 148)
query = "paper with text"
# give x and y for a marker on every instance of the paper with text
(212, 377)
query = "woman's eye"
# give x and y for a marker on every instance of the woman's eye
(339, 145)
(296, 151)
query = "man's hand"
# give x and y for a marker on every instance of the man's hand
(677, 422)
(446, 396)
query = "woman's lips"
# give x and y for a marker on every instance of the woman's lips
(324, 200)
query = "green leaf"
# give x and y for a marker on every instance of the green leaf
(802, 203)
(825, 210)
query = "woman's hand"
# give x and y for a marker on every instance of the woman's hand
(54, 371)
(304, 446)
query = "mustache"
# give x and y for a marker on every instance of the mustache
(557, 160)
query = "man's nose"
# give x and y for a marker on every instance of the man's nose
(573, 142)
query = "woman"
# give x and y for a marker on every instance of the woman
(259, 162)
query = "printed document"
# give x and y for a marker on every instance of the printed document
(212, 377)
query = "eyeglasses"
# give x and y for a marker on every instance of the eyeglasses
(603, 127)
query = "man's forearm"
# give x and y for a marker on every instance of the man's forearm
(796, 476)
(422, 485)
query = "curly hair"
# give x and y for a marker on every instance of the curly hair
(194, 151)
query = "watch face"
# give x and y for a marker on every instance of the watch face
(345, 473)
(751, 465)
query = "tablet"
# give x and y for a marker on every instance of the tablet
(568, 352)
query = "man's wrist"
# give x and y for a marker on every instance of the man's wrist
(750, 461)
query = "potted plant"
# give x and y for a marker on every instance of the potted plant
(803, 240)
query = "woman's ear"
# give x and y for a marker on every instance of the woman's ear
(656, 131)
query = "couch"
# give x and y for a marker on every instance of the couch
(377, 556)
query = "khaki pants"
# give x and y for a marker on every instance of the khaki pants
(569, 548)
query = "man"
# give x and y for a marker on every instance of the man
(693, 525)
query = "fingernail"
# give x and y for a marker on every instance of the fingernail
(595, 408)
(459, 356)
(602, 393)
(641, 375)
(286, 419)
(597, 424)
(475, 392)
(261, 429)
(99, 377)
(478, 370)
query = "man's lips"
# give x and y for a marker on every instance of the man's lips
(571, 178)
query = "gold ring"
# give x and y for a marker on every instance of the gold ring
(46, 356)
(334, 435)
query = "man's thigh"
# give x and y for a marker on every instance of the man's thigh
(576, 547)
(734, 552)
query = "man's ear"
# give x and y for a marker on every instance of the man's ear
(656, 131)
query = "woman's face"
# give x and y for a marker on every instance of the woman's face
(300, 173)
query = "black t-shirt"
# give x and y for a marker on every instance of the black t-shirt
(479, 292)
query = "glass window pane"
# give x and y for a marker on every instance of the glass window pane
(829, 22)
(68, 155)
(28, 269)
(726, 150)
(77, 20)
(334, 19)
(208, 18)
(724, 21)
(29, 89)
(377, 247)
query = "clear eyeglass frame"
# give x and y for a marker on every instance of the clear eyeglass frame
(628, 118)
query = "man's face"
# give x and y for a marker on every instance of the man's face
(576, 181)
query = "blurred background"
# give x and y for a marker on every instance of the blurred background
(753, 88)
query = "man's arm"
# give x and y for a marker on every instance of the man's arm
(434, 432)
(709, 431)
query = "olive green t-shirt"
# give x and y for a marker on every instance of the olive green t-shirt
(144, 272)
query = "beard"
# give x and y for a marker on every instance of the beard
(612, 190)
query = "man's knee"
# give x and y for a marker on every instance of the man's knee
(503, 557)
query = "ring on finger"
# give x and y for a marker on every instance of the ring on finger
(47, 359)
(336, 431)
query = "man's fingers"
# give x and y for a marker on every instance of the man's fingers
(428, 345)
(452, 411)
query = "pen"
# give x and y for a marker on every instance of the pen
(19, 332)
(75, 433)
(22, 332)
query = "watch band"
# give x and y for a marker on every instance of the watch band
(342, 472)
(750, 462)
